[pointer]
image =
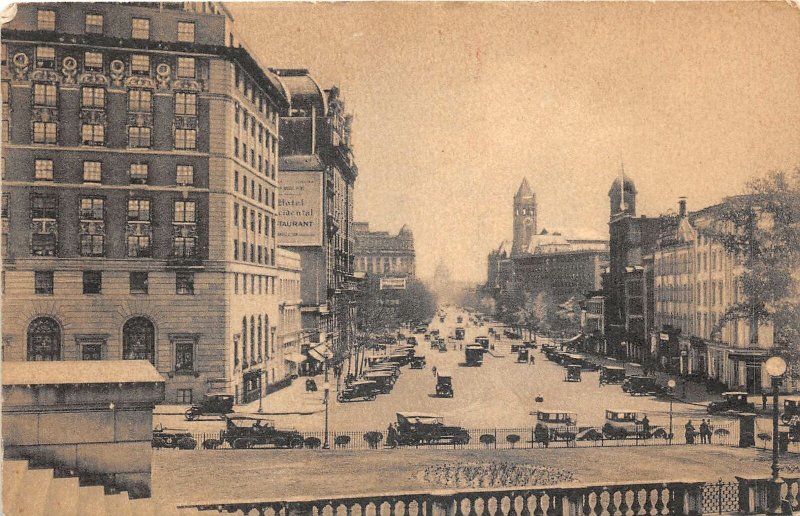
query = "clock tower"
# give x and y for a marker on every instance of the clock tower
(524, 218)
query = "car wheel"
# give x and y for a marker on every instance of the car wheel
(241, 444)
(187, 443)
(158, 442)
(191, 414)
(211, 444)
(660, 434)
(340, 398)
(296, 442)
(371, 397)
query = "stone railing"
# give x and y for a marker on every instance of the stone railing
(762, 495)
(681, 498)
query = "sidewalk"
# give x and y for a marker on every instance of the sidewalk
(291, 400)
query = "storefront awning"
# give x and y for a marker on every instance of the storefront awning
(319, 353)
(295, 357)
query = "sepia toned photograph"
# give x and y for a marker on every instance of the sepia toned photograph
(407, 258)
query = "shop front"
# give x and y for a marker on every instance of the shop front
(251, 385)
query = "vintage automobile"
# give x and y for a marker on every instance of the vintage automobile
(250, 430)
(399, 358)
(624, 424)
(411, 341)
(473, 354)
(415, 428)
(612, 375)
(444, 384)
(435, 333)
(459, 319)
(173, 438)
(459, 335)
(554, 425)
(388, 367)
(791, 408)
(639, 385)
(442, 347)
(359, 390)
(515, 348)
(427, 337)
(522, 356)
(572, 373)
(418, 362)
(731, 402)
(211, 405)
(421, 328)
(483, 341)
(384, 380)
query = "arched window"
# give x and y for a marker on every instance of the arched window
(252, 338)
(139, 340)
(244, 341)
(260, 338)
(44, 339)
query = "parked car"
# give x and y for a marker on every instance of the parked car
(459, 335)
(251, 430)
(555, 425)
(384, 380)
(522, 355)
(572, 373)
(365, 390)
(791, 408)
(731, 402)
(483, 341)
(411, 341)
(212, 404)
(623, 424)
(415, 428)
(418, 362)
(640, 385)
(173, 438)
(612, 375)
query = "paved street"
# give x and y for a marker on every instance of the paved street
(500, 393)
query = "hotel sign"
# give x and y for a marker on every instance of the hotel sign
(300, 217)
(393, 283)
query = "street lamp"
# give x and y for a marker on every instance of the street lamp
(671, 384)
(776, 367)
(260, 392)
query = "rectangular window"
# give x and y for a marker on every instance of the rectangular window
(44, 207)
(140, 64)
(252, 220)
(184, 356)
(45, 20)
(140, 28)
(93, 134)
(140, 100)
(6, 91)
(4, 213)
(244, 217)
(43, 170)
(92, 97)
(92, 282)
(236, 146)
(94, 24)
(236, 180)
(91, 351)
(138, 283)
(185, 139)
(236, 214)
(184, 283)
(43, 283)
(235, 249)
(45, 57)
(185, 103)
(91, 208)
(184, 175)
(92, 172)
(186, 67)
(139, 172)
(139, 210)
(139, 137)
(93, 61)
(45, 94)
(184, 212)
(139, 245)
(184, 396)
(186, 32)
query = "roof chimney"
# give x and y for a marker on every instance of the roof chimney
(682, 206)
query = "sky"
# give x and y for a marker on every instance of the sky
(455, 103)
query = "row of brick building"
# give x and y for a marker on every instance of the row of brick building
(167, 197)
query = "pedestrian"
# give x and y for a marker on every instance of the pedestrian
(689, 434)
(763, 401)
(703, 431)
(709, 431)
(391, 436)
(646, 427)
(433, 369)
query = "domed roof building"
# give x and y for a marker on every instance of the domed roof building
(622, 195)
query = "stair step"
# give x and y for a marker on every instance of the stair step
(144, 507)
(118, 505)
(31, 496)
(62, 498)
(91, 501)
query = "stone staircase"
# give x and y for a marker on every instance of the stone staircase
(33, 492)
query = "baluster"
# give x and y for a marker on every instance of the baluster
(598, 502)
(612, 505)
(623, 502)
(660, 500)
(526, 502)
(393, 507)
(512, 505)
(648, 501)
(587, 503)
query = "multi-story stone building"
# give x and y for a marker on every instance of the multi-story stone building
(695, 282)
(377, 253)
(291, 337)
(318, 173)
(140, 162)
(631, 239)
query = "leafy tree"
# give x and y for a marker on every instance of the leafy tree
(762, 229)
(417, 303)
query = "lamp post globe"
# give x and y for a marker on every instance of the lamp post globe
(775, 366)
